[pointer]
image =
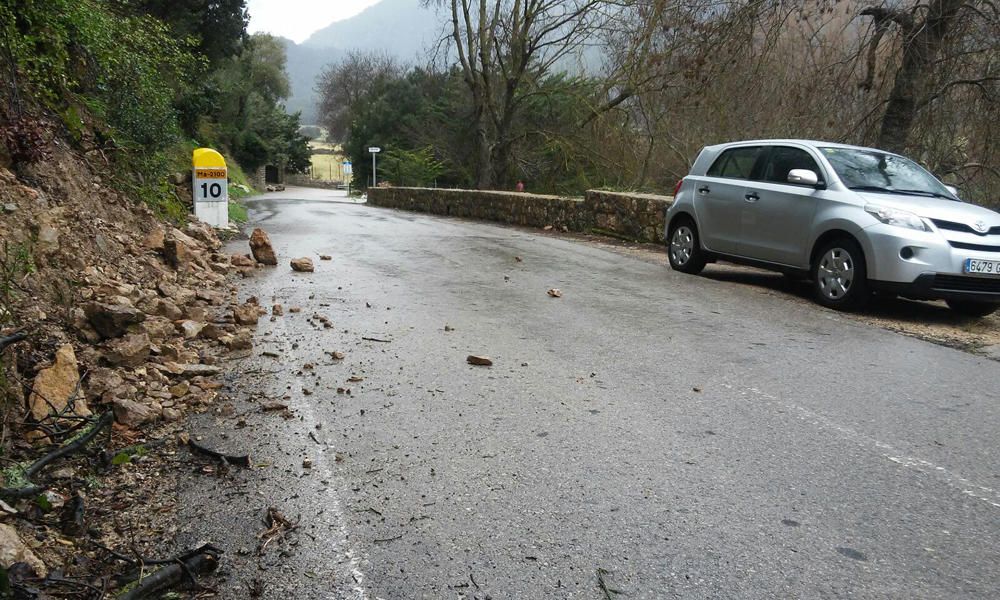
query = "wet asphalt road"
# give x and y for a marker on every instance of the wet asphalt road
(670, 436)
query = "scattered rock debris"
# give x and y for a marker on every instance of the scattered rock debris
(555, 293)
(481, 361)
(302, 265)
(121, 331)
(260, 246)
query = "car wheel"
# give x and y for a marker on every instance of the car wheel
(971, 308)
(840, 276)
(684, 248)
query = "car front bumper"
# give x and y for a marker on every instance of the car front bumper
(933, 286)
(933, 271)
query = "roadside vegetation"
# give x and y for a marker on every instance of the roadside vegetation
(139, 84)
(566, 95)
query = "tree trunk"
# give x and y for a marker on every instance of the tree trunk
(484, 152)
(920, 49)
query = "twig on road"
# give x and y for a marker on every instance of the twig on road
(609, 592)
(277, 527)
(241, 460)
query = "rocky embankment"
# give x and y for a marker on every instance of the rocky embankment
(116, 322)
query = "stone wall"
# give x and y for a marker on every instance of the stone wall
(633, 216)
(303, 180)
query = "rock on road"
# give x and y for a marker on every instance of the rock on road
(647, 432)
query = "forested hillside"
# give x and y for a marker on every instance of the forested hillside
(498, 103)
(142, 82)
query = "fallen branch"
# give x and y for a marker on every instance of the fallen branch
(242, 460)
(204, 560)
(140, 560)
(75, 446)
(373, 339)
(11, 339)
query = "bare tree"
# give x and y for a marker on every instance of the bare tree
(503, 47)
(923, 29)
(341, 86)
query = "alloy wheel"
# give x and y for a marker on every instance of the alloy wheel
(682, 245)
(835, 273)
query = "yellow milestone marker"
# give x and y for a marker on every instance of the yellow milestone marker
(210, 187)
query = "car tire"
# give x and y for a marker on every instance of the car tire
(840, 276)
(684, 247)
(971, 308)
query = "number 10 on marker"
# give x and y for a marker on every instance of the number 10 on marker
(211, 191)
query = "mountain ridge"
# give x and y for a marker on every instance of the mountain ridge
(399, 28)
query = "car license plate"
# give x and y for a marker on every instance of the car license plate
(982, 267)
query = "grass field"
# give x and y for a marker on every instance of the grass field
(328, 167)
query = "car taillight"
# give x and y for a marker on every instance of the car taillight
(677, 188)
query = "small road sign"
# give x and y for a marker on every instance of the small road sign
(374, 149)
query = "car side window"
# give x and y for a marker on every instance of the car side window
(735, 163)
(783, 159)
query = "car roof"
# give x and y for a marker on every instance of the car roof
(779, 141)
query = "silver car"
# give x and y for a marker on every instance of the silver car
(852, 220)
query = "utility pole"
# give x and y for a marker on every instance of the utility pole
(374, 150)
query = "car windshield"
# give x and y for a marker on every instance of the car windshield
(874, 171)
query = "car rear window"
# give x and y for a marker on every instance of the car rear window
(735, 163)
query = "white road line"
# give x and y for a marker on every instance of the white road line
(334, 505)
(965, 486)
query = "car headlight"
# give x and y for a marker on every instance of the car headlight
(897, 217)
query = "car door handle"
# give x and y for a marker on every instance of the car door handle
(703, 189)
(752, 197)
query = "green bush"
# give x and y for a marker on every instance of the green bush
(237, 212)
(127, 69)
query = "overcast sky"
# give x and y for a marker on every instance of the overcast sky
(298, 19)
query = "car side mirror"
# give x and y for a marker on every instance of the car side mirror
(952, 189)
(803, 177)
